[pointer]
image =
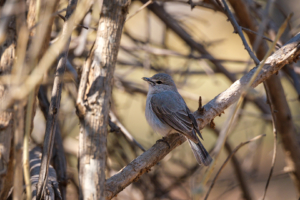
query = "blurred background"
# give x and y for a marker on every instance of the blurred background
(148, 46)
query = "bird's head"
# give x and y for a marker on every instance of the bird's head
(160, 82)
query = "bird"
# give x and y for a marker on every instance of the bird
(167, 113)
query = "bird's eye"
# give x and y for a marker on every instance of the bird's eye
(158, 82)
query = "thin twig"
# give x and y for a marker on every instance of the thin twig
(58, 154)
(226, 161)
(28, 125)
(138, 10)
(264, 37)
(124, 131)
(43, 21)
(81, 25)
(54, 107)
(240, 175)
(46, 61)
(18, 149)
(262, 25)
(274, 122)
(244, 92)
(294, 78)
(239, 31)
(83, 84)
(167, 52)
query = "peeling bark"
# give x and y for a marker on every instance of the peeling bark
(7, 55)
(95, 94)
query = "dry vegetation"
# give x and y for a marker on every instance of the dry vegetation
(72, 100)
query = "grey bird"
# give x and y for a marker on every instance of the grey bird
(167, 113)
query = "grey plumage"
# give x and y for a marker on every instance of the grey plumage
(167, 113)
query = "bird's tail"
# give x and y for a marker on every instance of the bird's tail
(200, 153)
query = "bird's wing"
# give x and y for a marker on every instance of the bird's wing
(171, 109)
(195, 124)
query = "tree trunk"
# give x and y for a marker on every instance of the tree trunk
(7, 53)
(94, 99)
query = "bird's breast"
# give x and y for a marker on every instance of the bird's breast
(156, 124)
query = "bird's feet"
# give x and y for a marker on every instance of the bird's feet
(164, 141)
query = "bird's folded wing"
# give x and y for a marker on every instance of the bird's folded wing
(170, 108)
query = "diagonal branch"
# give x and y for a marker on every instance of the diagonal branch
(228, 158)
(214, 108)
(238, 30)
(187, 38)
(274, 122)
(53, 109)
(58, 154)
(286, 128)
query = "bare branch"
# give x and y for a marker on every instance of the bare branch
(237, 29)
(288, 69)
(141, 8)
(18, 149)
(240, 174)
(124, 131)
(8, 46)
(274, 122)
(58, 154)
(185, 36)
(286, 128)
(264, 37)
(141, 165)
(226, 161)
(54, 108)
(215, 107)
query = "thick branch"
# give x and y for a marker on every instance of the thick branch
(214, 108)
(93, 103)
(7, 56)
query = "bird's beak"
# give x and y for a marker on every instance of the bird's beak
(148, 80)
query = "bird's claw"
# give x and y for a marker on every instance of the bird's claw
(164, 141)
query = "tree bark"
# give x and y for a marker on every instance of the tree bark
(94, 96)
(7, 55)
(54, 106)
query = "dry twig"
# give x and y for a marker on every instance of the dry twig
(54, 108)
(124, 131)
(141, 8)
(216, 106)
(226, 161)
